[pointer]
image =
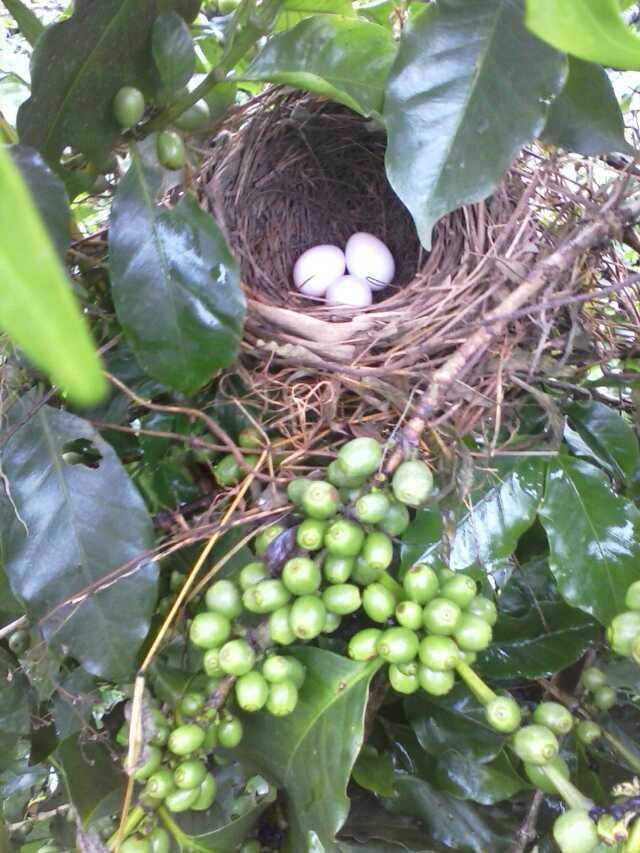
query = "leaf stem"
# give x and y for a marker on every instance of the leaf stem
(134, 817)
(632, 760)
(483, 693)
(574, 798)
(391, 584)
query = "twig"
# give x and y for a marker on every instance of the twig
(527, 831)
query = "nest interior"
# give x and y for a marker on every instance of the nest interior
(288, 171)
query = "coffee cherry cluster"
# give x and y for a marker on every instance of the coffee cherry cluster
(599, 692)
(623, 634)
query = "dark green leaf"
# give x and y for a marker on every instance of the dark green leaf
(547, 639)
(15, 701)
(105, 46)
(294, 11)
(374, 771)
(16, 774)
(456, 721)
(373, 829)
(606, 437)
(311, 752)
(594, 538)
(459, 775)
(173, 51)
(28, 22)
(586, 116)
(344, 59)
(176, 287)
(48, 195)
(73, 703)
(37, 308)
(72, 526)
(470, 87)
(92, 779)
(593, 31)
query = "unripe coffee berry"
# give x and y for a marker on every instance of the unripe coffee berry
(404, 680)
(337, 569)
(252, 574)
(396, 520)
(398, 645)
(283, 698)
(310, 534)
(266, 537)
(360, 457)
(503, 714)
(307, 617)
(434, 682)
(420, 583)
(483, 608)
(575, 832)
(186, 739)
(344, 538)
(363, 646)
(622, 632)
(301, 576)
(236, 657)
(189, 774)
(441, 616)
(460, 589)
(472, 634)
(372, 507)
(412, 483)
(266, 596)
(320, 500)
(252, 691)
(438, 653)
(592, 678)
(209, 630)
(342, 598)
(587, 731)
(604, 698)
(377, 551)
(229, 732)
(224, 597)
(409, 615)
(378, 602)
(280, 626)
(632, 598)
(554, 716)
(535, 744)
(539, 778)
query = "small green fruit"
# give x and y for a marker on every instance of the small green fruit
(472, 634)
(19, 642)
(211, 663)
(554, 716)
(503, 714)
(191, 703)
(337, 569)
(266, 537)
(396, 521)
(160, 784)
(151, 758)
(632, 598)
(181, 801)
(404, 680)
(604, 698)
(378, 602)
(409, 615)
(230, 732)
(420, 583)
(360, 457)
(363, 573)
(377, 551)
(252, 574)
(252, 691)
(398, 645)
(310, 534)
(237, 657)
(592, 678)
(483, 608)
(363, 646)
(275, 668)
(441, 616)
(587, 732)
(170, 150)
(133, 844)
(280, 626)
(197, 117)
(344, 538)
(266, 596)
(296, 489)
(186, 739)
(301, 576)
(434, 682)
(622, 632)
(339, 479)
(342, 598)
(189, 774)
(575, 832)
(128, 106)
(159, 840)
(372, 507)
(332, 622)
(283, 698)
(412, 483)
(535, 744)
(307, 617)
(540, 779)
(206, 794)
(439, 653)
(460, 589)
(209, 630)
(320, 500)
(224, 597)
(227, 472)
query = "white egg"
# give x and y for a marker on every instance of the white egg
(316, 268)
(369, 258)
(349, 290)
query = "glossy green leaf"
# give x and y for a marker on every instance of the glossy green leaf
(548, 638)
(173, 51)
(593, 31)
(72, 526)
(15, 700)
(469, 88)
(37, 308)
(594, 537)
(294, 11)
(586, 116)
(92, 779)
(73, 703)
(28, 22)
(47, 193)
(176, 287)
(105, 46)
(345, 59)
(374, 771)
(311, 753)
(373, 829)
(459, 775)
(605, 437)
(456, 721)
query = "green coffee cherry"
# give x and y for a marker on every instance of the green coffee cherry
(196, 117)
(160, 784)
(252, 574)
(360, 457)
(396, 521)
(151, 758)
(280, 626)
(191, 703)
(250, 437)
(296, 489)
(209, 630)
(378, 602)
(535, 744)
(434, 682)
(363, 646)
(275, 668)
(19, 642)
(133, 844)
(310, 534)
(409, 615)
(185, 739)
(554, 716)
(236, 657)
(210, 737)
(342, 598)
(404, 679)
(230, 732)
(332, 622)
(575, 832)
(339, 479)
(622, 632)
(484, 609)
(412, 483)
(251, 846)
(320, 500)
(224, 597)
(264, 539)
(307, 617)
(337, 569)
(128, 106)
(170, 150)
(227, 472)
(344, 538)
(301, 576)
(252, 691)
(461, 589)
(181, 801)
(297, 671)
(540, 779)
(377, 551)
(349, 494)
(372, 507)
(587, 731)
(604, 698)
(398, 645)
(441, 616)
(632, 598)
(206, 794)
(211, 664)
(420, 583)
(592, 678)
(438, 653)
(444, 575)
(266, 596)
(283, 698)
(363, 573)
(472, 634)
(189, 774)
(159, 840)
(503, 714)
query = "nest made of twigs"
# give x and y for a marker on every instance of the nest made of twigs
(288, 171)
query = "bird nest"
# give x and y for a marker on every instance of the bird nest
(288, 171)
